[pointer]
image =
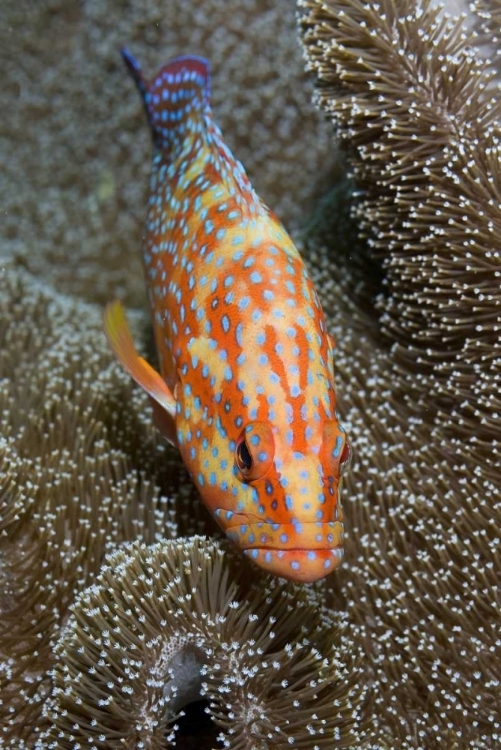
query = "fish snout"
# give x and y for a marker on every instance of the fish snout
(301, 551)
(304, 566)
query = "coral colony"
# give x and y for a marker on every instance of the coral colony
(120, 601)
(416, 105)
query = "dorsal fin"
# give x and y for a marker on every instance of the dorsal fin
(175, 98)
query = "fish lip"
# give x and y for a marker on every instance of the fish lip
(297, 549)
(299, 565)
(316, 536)
(294, 550)
(256, 522)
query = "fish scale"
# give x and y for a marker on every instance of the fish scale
(246, 384)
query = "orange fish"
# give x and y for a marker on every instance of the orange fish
(246, 383)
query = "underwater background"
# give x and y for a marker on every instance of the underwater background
(390, 184)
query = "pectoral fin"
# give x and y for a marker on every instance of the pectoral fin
(164, 422)
(119, 337)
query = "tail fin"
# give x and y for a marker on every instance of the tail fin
(175, 98)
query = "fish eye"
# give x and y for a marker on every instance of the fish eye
(254, 451)
(336, 449)
(345, 460)
(243, 458)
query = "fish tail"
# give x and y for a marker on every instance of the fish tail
(176, 96)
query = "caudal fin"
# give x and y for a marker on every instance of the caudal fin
(175, 98)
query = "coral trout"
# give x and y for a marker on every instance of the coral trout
(246, 383)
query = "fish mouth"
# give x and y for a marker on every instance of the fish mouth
(302, 552)
(308, 535)
(301, 565)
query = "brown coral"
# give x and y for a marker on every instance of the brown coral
(412, 104)
(71, 488)
(421, 403)
(166, 622)
(488, 26)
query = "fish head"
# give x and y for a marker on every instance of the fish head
(279, 506)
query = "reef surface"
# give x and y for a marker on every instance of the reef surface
(401, 646)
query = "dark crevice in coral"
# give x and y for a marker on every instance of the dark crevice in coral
(196, 728)
(332, 224)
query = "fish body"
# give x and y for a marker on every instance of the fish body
(246, 384)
